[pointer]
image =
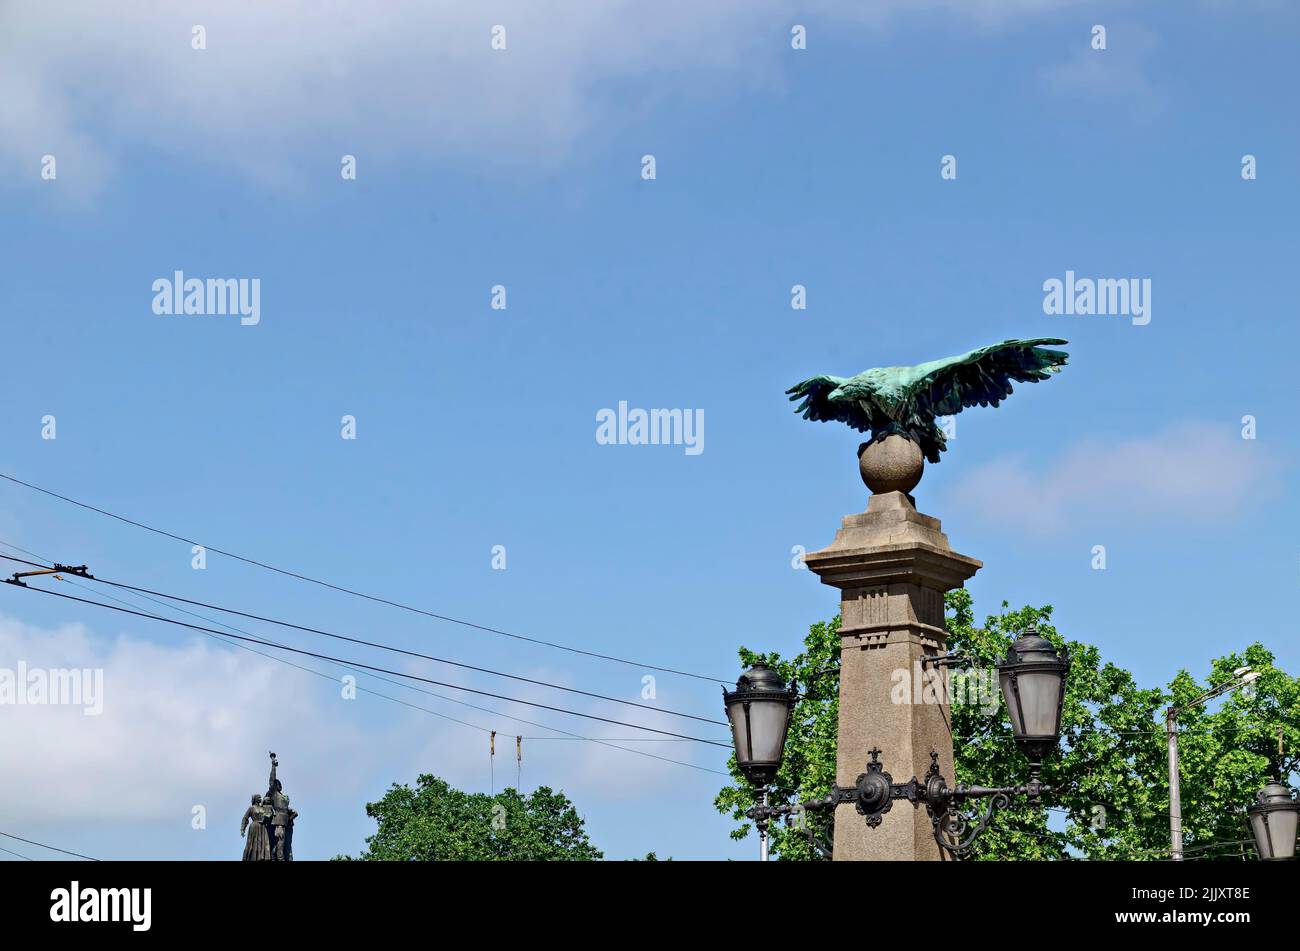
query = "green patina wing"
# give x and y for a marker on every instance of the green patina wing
(818, 406)
(981, 377)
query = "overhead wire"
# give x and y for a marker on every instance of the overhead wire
(610, 742)
(359, 594)
(400, 650)
(369, 667)
(600, 741)
(52, 848)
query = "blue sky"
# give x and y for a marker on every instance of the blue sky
(476, 427)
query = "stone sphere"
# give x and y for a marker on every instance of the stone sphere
(892, 464)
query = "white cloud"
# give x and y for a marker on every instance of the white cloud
(180, 726)
(192, 723)
(1117, 74)
(1193, 472)
(384, 81)
(281, 84)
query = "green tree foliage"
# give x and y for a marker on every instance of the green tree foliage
(435, 822)
(1111, 772)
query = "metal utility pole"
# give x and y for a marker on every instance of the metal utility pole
(1175, 794)
(1240, 678)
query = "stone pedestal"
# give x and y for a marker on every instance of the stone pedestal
(892, 565)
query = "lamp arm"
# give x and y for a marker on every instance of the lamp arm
(1210, 694)
(763, 814)
(1032, 790)
(961, 792)
(832, 799)
(815, 676)
(950, 659)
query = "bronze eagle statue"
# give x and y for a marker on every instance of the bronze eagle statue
(905, 400)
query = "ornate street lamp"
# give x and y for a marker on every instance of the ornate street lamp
(1273, 822)
(1033, 685)
(759, 711)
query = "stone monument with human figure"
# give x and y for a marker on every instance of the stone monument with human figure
(267, 827)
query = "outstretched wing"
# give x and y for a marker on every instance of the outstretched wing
(982, 377)
(818, 406)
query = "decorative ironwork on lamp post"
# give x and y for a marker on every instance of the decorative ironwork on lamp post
(1033, 680)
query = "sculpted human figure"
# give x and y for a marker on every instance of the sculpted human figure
(288, 831)
(257, 845)
(275, 798)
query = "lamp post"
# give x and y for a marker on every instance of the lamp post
(1240, 678)
(759, 711)
(1033, 679)
(1273, 822)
